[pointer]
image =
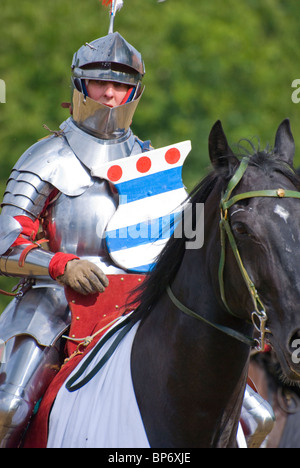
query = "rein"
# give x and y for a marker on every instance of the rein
(259, 316)
(228, 331)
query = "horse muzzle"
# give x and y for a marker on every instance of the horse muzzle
(289, 356)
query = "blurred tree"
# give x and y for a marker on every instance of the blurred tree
(232, 60)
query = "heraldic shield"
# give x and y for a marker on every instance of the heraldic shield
(151, 200)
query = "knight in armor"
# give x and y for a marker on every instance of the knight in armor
(54, 214)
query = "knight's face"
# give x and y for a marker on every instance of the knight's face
(108, 93)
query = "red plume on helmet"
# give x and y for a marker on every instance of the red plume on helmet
(106, 2)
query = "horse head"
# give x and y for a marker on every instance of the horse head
(260, 209)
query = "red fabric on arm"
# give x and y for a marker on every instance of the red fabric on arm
(58, 264)
(21, 241)
(29, 228)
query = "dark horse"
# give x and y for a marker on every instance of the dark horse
(190, 355)
(189, 377)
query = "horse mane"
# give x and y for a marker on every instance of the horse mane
(170, 259)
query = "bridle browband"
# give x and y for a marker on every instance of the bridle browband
(259, 316)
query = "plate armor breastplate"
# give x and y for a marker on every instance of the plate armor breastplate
(76, 224)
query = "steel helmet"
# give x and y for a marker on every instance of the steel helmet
(110, 58)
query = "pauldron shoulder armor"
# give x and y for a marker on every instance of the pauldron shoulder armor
(53, 161)
(48, 163)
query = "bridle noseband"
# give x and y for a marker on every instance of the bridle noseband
(259, 316)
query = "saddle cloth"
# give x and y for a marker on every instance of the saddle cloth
(103, 413)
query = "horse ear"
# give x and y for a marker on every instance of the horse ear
(284, 142)
(220, 152)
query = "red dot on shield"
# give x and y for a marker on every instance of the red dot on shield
(172, 156)
(114, 173)
(143, 164)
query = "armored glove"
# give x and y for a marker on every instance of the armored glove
(84, 277)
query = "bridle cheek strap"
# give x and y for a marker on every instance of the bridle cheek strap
(259, 316)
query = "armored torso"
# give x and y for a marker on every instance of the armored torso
(75, 218)
(77, 224)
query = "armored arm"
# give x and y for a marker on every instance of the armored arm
(38, 176)
(24, 200)
(20, 256)
(46, 170)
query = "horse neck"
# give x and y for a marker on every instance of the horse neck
(196, 286)
(196, 370)
(204, 348)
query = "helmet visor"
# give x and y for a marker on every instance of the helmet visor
(109, 72)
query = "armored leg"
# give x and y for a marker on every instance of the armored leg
(257, 418)
(31, 328)
(23, 381)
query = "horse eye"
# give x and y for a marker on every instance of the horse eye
(240, 229)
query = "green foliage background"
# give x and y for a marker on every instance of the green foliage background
(205, 60)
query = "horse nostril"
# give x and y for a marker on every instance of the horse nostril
(294, 342)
